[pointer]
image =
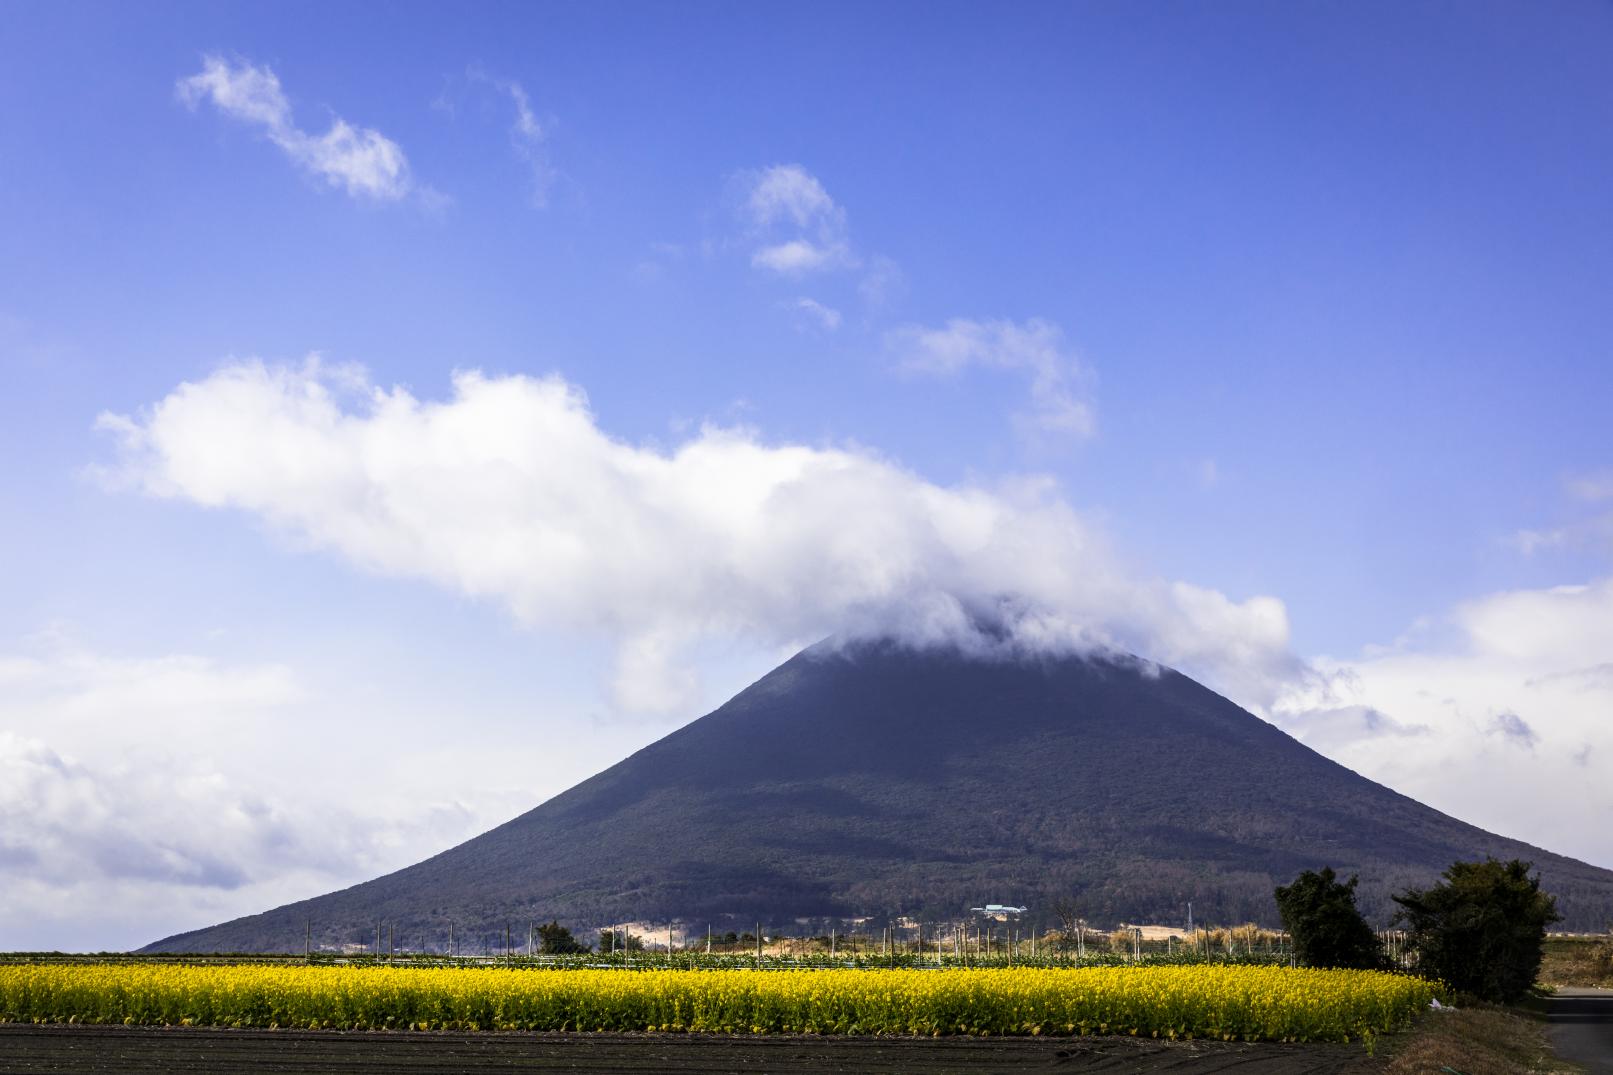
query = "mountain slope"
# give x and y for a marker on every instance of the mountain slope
(881, 781)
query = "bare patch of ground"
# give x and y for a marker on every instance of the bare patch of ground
(29, 1049)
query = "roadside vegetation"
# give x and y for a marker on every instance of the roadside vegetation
(1578, 961)
(1483, 1040)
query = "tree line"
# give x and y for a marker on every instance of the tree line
(1481, 929)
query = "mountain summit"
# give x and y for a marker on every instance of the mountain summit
(875, 780)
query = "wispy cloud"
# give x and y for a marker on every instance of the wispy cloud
(1593, 486)
(796, 228)
(359, 160)
(528, 133)
(882, 281)
(1589, 531)
(1034, 348)
(816, 314)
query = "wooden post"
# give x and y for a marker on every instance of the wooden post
(758, 944)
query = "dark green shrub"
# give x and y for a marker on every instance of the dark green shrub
(1482, 929)
(558, 941)
(1319, 912)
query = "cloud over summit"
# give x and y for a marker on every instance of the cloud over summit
(510, 491)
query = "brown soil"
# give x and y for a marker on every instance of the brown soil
(89, 1049)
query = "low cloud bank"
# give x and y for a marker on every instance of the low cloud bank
(510, 491)
(147, 795)
(1502, 719)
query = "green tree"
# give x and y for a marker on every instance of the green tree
(1319, 912)
(1482, 929)
(620, 940)
(558, 941)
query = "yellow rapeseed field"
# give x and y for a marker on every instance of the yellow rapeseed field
(1231, 1002)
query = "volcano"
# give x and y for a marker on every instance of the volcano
(877, 781)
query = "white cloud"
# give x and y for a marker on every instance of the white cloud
(788, 193)
(1035, 348)
(510, 491)
(1502, 719)
(793, 258)
(795, 226)
(359, 160)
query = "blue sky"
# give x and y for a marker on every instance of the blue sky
(1300, 304)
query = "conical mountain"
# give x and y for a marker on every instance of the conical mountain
(877, 780)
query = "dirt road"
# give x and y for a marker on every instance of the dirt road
(26, 1048)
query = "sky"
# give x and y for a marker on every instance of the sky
(406, 413)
